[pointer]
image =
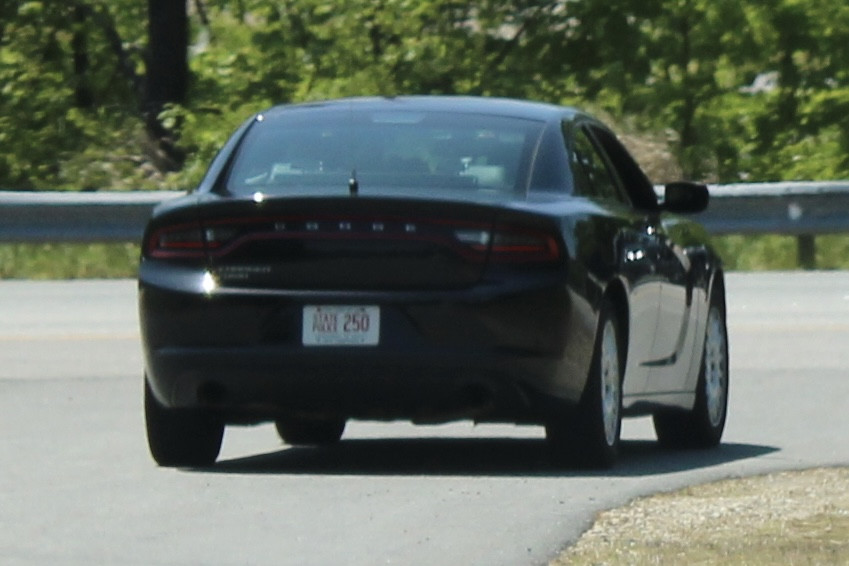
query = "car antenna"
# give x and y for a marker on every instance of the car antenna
(353, 184)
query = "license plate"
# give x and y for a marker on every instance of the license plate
(341, 325)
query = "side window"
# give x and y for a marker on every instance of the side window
(551, 166)
(593, 178)
(639, 189)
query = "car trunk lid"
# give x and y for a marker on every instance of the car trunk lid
(347, 243)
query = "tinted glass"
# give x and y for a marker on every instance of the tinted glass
(638, 187)
(551, 166)
(396, 149)
(593, 178)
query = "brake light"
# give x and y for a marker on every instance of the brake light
(185, 241)
(505, 243)
(518, 245)
(510, 244)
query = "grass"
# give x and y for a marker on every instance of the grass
(95, 261)
(771, 253)
(68, 261)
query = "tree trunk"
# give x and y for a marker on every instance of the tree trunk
(167, 71)
(83, 97)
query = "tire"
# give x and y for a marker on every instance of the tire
(298, 432)
(589, 437)
(702, 427)
(181, 437)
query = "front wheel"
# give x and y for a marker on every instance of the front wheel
(590, 436)
(181, 437)
(702, 427)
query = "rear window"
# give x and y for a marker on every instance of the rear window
(412, 150)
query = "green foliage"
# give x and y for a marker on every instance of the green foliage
(67, 118)
(32, 75)
(767, 252)
(691, 73)
(68, 261)
(832, 252)
(757, 253)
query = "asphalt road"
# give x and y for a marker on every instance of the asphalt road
(78, 487)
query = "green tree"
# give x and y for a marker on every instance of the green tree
(63, 80)
(804, 131)
(97, 94)
(698, 51)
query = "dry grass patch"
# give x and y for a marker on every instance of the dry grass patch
(791, 518)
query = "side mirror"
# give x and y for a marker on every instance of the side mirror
(685, 197)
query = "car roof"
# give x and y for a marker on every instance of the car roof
(442, 103)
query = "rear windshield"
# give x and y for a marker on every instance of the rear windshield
(299, 149)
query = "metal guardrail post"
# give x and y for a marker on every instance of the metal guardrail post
(806, 251)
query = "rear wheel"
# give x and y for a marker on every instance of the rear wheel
(702, 427)
(308, 431)
(590, 436)
(181, 437)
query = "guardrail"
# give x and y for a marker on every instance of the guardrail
(68, 216)
(801, 209)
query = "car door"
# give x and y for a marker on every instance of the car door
(638, 244)
(675, 295)
(671, 267)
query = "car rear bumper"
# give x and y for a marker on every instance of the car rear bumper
(502, 358)
(265, 381)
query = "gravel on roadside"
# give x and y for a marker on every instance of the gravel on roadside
(782, 518)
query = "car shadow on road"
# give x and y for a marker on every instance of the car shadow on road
(472, 457)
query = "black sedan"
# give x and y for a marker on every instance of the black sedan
(430, 259)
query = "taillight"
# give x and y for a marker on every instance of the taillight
(511, 244)
(190, 240)
(477, 242)
(180, 241)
